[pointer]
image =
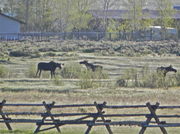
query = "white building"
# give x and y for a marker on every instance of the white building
(9, 27)
(171, 33)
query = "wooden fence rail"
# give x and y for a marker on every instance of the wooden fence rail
(52, 116)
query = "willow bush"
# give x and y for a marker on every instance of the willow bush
(72, 71)
(88, 78)
(147, 78)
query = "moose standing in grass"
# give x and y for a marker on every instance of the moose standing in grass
(90, 66)
(165, 70)
(51, 66)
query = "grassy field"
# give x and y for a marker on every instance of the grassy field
(99, 130)
(17, 87)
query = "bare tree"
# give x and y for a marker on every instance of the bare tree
(135, 12)
(166, 11)
(107, 4)
(27, 15)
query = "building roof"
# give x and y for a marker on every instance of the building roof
(123, 14)
(12, 18)
(177, 7)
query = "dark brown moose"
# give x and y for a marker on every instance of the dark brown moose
(165, 70)
(90, 66)
(51, 66)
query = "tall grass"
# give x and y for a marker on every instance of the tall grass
(72, 71)
(129, 78)
(87, 77)
(57, 81)
(3, 71)
(86, 80)
(31, 72)
(178, 79)
(147, 78)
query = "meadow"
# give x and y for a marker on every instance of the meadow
(19, 60)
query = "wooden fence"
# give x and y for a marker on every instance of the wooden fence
(97, 114)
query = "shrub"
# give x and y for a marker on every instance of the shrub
(72, 71)
(86, 80)
(121, 83)
(50, 54)
(88, 50)
(171, 81)
(153, 80)
(86, 83)
(157, 80)
(130, 78)
(47, 49)
(99, 74)
(178, 79)
(31, 72)
(87, 77)
(19, 53)
(147, 78)
(3, 72)
(36, 55)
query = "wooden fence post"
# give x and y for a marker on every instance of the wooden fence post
(143, 129)
(103, 119)
(152, 109)
(99, 108)
(48, 108)
(3, 116)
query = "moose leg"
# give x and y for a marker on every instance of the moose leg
(54, 74)
(40, 73)
(51, 74)
(37, 72)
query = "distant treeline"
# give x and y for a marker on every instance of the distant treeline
(73, 15)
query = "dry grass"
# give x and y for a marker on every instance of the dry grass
(75, 95)
(18, 88)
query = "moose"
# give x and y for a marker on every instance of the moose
(51, 66)
(90, 66)
(165, 70)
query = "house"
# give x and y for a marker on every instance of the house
(9, 27)
(176, 7)
(123, 14)
(171, 33)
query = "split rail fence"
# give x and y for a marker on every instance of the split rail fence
(97, 114)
